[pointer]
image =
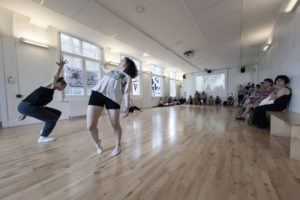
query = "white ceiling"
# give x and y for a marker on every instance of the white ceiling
(223, 33)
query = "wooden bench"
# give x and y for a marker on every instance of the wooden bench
(287, 124)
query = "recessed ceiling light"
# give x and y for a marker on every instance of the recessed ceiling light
(139, 9)
(145, 54)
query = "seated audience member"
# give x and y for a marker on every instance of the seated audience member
(182, 100)
(190, 100)
(218, 101)
(229, 101)
(261, 85)
(161, 102)
(210, 100)
(259, 96)
(175, 102)
(241, 94)
(170, 100)
(203, 98)
(267, 88)
(257, 92)
(248, 97)
(196, 98)
(247, 88)
(276, 101)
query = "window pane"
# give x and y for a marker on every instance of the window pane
(65, 43)
(92, 74)
(73, 73)
(76, 46)
(156, 70)
(172, 75)
(156, 86)
(70, 44)
(91, 51)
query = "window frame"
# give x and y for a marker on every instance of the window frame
(62, 53)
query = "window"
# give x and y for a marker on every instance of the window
(172, 84)
(156, 81)
(82, 72)
(136, 82)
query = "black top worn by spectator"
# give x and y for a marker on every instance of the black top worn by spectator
(40, 97)
(259, 116)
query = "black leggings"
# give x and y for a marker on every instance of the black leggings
(260, 118)
(46, 114)
(240, 97)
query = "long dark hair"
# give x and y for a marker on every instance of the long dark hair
(131, 69)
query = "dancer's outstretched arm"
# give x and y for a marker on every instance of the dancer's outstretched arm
(60, 64)
(104, 69)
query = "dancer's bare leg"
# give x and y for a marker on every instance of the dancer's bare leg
(93, 114)
(114, 115)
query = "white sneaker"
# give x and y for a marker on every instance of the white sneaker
(116, 152)
(46, 139)
(99, 148)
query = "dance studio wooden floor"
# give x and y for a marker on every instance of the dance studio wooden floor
(182, 152)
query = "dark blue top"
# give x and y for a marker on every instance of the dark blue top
(241, 92)
(40, 96)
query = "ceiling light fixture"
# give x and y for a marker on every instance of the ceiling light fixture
(145, 54)
(288, 6)
(35, 43)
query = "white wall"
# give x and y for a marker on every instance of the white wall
(235, 78)
(283, 56)
(33, 66)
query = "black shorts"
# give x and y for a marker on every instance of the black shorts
(98, 99)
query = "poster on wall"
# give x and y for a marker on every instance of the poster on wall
(156, 89)
(92, 78)
(135, 88)
(74, 77)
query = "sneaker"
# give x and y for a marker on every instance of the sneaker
(116, 152)
(43, 139)
(99, 147)
(240, 118)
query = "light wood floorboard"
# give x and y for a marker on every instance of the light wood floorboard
(181, 152)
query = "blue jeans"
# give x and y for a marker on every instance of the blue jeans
(46, 114)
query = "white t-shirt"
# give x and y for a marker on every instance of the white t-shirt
(114, 85)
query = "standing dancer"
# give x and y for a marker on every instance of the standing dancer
(109, 92)
(34, 104)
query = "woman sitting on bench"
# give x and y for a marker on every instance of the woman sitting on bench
(277, 101)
